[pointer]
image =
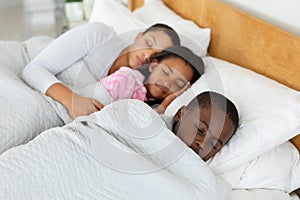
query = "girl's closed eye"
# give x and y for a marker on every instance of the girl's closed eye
(180, 84)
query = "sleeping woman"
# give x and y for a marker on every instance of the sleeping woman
(100, 51)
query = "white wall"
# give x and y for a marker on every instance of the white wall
(282, 13)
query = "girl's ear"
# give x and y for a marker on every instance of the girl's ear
(140, 34)
(179, 114)
(153, 65)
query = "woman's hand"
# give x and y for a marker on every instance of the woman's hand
(75, 104)
(82, 106)
(164, 104)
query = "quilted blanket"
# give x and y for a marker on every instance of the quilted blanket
(124, 151)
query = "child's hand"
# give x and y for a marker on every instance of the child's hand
(179, 92)
(172, 96)
(164, 104)
(83, 106)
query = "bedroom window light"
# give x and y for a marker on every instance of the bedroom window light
(74, 10)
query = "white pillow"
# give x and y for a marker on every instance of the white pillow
(278, 169)
(114, 14)
(191, 35)
(273, 170)
(124, 21)
(269, 111)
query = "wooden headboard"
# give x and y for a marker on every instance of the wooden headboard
(244, 40)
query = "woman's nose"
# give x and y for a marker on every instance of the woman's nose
(147, 57)
(148, 53)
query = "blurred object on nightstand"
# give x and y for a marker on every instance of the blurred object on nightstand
(74, 11)
(78, 11)
(45, 17)
(87, 8)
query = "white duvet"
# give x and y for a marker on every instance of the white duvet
(98, 157)
(24, 112)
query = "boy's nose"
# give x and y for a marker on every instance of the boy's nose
(199, 144)
(199, 141)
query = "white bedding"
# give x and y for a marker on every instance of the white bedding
(24, 112)
(261, 194)
(97, 157)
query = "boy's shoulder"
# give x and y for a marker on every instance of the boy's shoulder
(168, 120)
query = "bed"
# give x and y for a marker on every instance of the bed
(244, 40)
(246, 56)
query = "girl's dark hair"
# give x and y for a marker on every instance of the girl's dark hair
(167, 30)
(182, 52)
(187, 55)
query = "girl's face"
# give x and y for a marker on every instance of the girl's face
(145, 46)
(167, 77)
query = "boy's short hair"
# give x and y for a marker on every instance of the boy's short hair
(187, 55)
(167, 30)
(216, 101)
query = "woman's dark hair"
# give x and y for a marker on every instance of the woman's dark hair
(167, 30)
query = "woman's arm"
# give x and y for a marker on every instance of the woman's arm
(62, 53)
(75, 104)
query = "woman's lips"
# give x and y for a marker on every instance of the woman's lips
(140, 61)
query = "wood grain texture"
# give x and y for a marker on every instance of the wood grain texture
(133, 4)
(244, 40)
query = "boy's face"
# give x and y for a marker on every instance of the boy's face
(167, 77)
(205, 130)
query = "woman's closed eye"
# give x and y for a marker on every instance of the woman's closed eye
(165, 72)
(149, 43)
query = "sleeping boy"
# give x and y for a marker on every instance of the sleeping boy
(206, 124)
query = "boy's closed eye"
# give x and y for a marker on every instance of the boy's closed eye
(215, 144)
(199, 130)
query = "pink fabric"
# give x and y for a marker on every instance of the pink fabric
(125, 83)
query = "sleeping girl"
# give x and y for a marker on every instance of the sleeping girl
(167, 75)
